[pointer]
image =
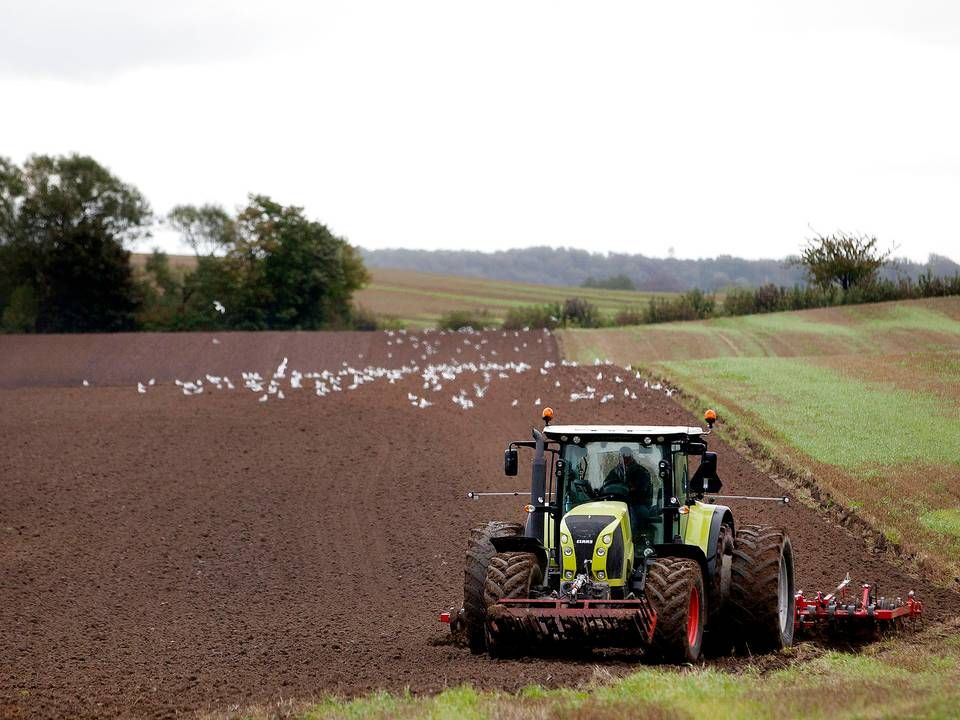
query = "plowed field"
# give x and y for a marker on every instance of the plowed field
(173, 551)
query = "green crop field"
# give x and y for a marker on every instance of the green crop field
(865, 397)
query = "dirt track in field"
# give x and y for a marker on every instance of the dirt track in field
(163, 553)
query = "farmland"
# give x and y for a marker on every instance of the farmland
(866, 399)
(417, 299)
(215, 543)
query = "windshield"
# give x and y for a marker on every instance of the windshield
(618, 469)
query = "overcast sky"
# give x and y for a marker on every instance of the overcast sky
(710, 128)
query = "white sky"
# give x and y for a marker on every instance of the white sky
(713, 128)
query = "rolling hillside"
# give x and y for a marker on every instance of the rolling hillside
(862, 401)
(418, 299)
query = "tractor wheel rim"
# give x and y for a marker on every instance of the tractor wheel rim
(783, 596)
(693, 618)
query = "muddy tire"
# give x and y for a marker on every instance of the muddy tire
(674, 587)
(719, 637)
(509, 575)
(479, 552)
(762, 598)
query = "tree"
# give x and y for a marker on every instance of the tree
(64, 222)
(277, 268)
(206, 229)
(843, 260)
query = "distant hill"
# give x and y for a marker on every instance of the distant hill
(570, 267)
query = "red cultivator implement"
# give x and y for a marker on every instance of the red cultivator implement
(861, 614)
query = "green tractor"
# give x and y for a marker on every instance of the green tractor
(620, 550)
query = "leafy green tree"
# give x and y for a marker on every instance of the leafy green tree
(207, 229)
(64, 222)
(270, 267)
(842, 260)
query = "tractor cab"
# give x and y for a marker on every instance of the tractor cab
(637, 465)
(625, 484)
(607, 498)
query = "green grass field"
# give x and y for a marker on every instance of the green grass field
(865, 397)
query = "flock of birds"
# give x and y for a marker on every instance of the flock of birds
(464, 380)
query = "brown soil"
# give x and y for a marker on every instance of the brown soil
(163, 553)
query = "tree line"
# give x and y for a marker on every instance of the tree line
(840, 269)
(571, 267)
(66, 221)
(65, 224)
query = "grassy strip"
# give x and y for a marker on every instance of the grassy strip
(917, 677)
(885, 455)
(833, 418)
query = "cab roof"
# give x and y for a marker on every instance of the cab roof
(561, 432)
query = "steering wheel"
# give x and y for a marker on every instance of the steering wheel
(613, 491)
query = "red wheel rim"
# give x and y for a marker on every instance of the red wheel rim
(693, 617)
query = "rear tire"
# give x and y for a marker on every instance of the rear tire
(479, 552)
(762, 600)
(509, 575)
(674, 587)
(719, 637)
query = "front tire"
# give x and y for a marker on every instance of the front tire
(674, 587)
(479, 552)
(762, 598)
(509, 575)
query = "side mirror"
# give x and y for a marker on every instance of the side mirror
(510, 462)
(705, 479)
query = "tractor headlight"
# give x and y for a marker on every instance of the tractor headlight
(607, 539)
(563, 539)
(568, 550)
(568, 574)
(601, 574)
(600, 551)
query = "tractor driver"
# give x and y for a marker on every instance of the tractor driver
(636, 478)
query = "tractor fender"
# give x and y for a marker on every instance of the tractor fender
(681, 550)
(522, 543)
(721, 516)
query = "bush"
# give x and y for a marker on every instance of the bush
(629, 316)
(692, 305)
(533, 316)
(362, 318)
(459, 319)
(20, 315)
(581, 313)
